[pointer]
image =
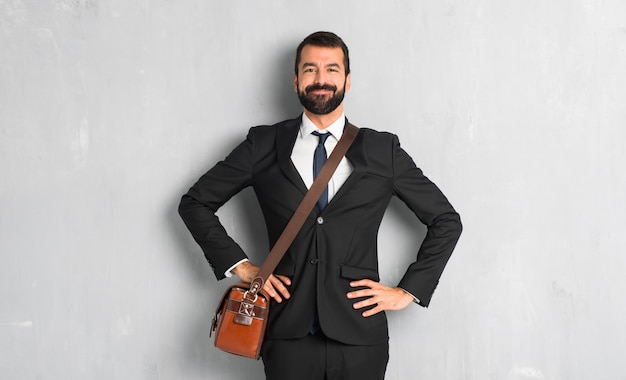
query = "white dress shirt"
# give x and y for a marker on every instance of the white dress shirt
(304, 150)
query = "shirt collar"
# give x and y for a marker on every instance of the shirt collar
(336, 128)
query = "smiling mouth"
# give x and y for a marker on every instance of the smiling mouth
(321, 90)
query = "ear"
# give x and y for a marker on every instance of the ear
(348, 82)
(295, 82)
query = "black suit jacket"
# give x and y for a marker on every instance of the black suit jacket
(335, 246)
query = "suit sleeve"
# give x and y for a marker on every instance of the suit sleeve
(433, 209)
(198, 206)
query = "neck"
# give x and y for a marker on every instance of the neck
(324, 121)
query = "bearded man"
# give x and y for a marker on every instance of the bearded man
(327, 317)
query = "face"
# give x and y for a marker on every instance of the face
(321, 81)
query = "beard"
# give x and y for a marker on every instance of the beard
(321, 104)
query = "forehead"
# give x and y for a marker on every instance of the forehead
(321, 56)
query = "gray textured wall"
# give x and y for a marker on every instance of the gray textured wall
(110, 109)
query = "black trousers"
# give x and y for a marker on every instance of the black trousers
(316, 357)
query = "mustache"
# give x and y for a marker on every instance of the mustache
(315, 87)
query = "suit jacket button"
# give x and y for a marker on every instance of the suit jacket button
(320, 220)
(314, 261)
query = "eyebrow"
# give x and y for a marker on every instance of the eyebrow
(309, 64)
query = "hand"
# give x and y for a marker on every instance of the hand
(384, 297)
(275, 286)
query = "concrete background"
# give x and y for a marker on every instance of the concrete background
(110, 110)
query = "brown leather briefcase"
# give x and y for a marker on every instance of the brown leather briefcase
(240, 321)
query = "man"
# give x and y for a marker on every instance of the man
(327, 320)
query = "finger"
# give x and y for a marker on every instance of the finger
(365, 303)
(364, 282)
(286, 280)
(278, 283)
(269, 289)
(370, 312)
(275, 287)
(362, 293)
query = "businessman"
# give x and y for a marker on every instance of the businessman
(328, 318)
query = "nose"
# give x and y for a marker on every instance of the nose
(320, 77)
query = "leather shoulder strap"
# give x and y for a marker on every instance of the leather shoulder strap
(304, 209)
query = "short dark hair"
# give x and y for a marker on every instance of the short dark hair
(324, 39)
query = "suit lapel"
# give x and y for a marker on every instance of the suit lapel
(285, 139)
(357, 157)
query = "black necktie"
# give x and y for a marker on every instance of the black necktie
(319, 158)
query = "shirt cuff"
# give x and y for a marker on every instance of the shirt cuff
(229, 272)
(415, 299)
